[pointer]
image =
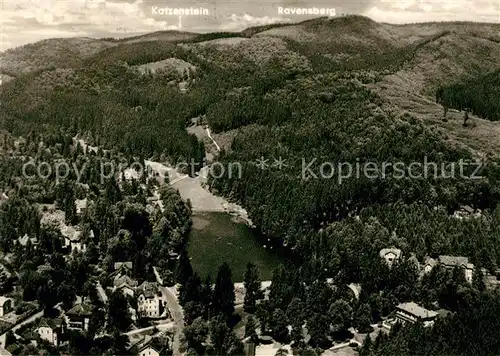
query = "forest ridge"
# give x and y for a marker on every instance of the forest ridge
(344, 87)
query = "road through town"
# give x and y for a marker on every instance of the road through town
(170, 296)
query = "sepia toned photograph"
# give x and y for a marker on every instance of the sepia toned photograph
(250, 177)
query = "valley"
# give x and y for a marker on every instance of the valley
(166, 248)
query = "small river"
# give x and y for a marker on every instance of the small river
(216, 238)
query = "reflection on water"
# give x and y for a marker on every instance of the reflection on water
(215, 238)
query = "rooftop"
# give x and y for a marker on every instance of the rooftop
(395, 251)
(24, 240)
(81, 309)
(454, 261)
(71, 233)
(429, 261)
(417, 310)
(149, 289)
(51, 323)
(124, 280)
(126, 264)
(81, 204)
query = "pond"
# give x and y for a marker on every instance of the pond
(216, 238)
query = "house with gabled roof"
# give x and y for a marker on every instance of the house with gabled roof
(24, 240)
(150, 346)
(390, 255)
(78, 317)
(51, 330)
(73, 239)
(429, 264)
(81, 206)
(149, 300)
(149, 350)
(126, 284)
(458, 261)
(127, 265)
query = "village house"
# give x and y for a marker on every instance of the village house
(51, 330)
(81, 206)
(412, 312)
(149, 346)
(491, 280)
(428, 265)
(127, 266)
(73, 239)
(3, 197)
(467, 212)
(125, 284)
(390, 255)
(458, 261)
(78, 317)
(6, 305)
(23, 241)
(121, 278)
(149, 350)
(149, 300)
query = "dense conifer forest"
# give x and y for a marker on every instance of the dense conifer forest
(479, 95)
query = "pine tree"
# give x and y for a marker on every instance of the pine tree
(206, 297)
(366, 349)
(252, 288)
(218, 333)
(363, 318)
(113, 192)
(445, 112)
(118, 313)
(466, 117)
(224, 296)
(184, 269)
(70, 210)
(279, 326)
(478, 279)
(191, 290)
(340, 314)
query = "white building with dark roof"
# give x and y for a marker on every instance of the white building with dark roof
(127, 265)
(24, 240)
(51, 330)
(149, 300)
(78, 317)
(81, 206)
(429, 264)
(390, 255)
(412, 312)
(73, 238)
(458, 261)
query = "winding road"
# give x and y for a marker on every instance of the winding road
(169, 295)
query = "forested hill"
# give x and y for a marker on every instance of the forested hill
(479, 95)
(342, 89)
